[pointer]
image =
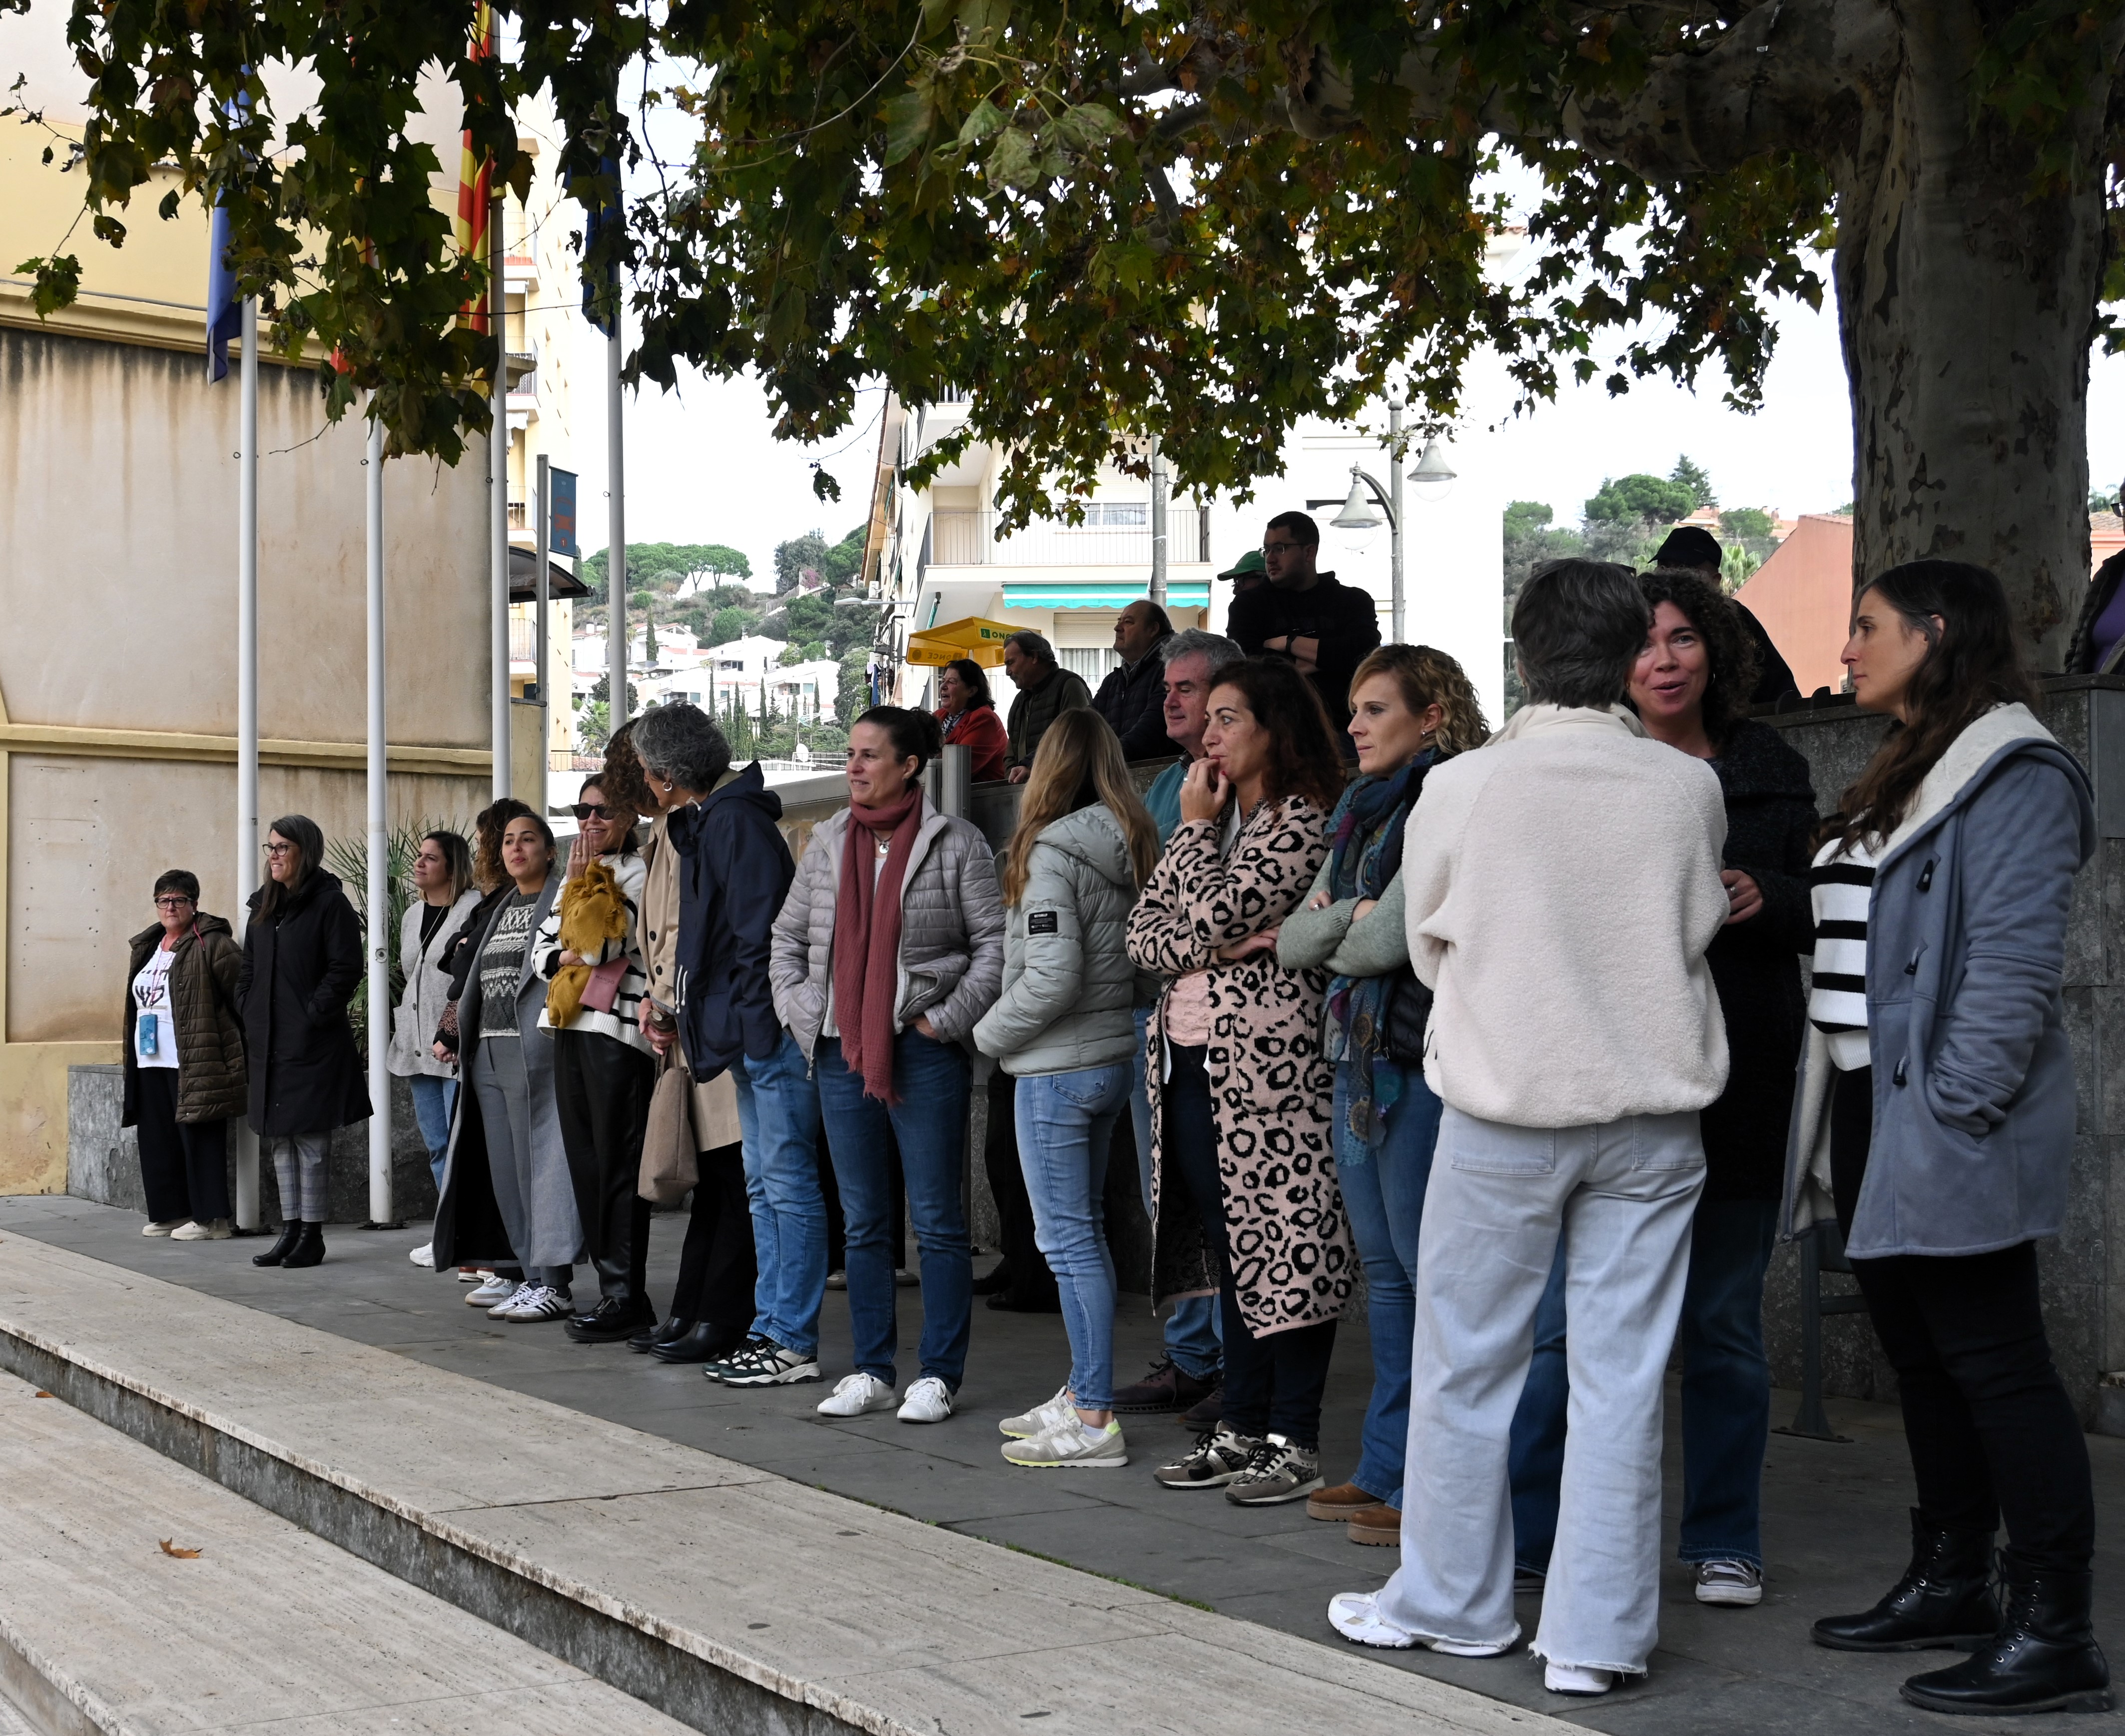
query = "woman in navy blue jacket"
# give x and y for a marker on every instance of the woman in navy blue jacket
(1935, 1117)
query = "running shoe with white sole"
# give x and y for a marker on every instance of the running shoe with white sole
(1276, 1471)
(206, 1230)
(760, 1361)
(854, 1394)
(542, 1303)
(1734, 1584)
(928, 1400)
(1357, 1617)
(1074, 1445)
(1050, 1414)
(424, 1255)
(492, 1291)
(166, 1226)
(1216, 1459)
(1575, 1679)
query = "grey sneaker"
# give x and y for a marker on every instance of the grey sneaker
(1737, 1584)
(1072, 1446)
(1276, 1471)
(1217, 1458)
(1051, 1414)
(491, 1291)
(762, 1362)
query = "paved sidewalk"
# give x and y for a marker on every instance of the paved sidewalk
(1836, 1516)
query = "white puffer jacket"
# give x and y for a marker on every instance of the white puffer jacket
(1068, 985)
(951, 931)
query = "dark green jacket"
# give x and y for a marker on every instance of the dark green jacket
(211, 1078)
(1035, 708)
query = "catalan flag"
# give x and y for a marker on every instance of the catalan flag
(476, 177)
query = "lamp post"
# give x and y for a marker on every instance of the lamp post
(1361, 512)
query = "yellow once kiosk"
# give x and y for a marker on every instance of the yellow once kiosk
(974, 638)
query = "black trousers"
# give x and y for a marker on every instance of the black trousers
(602, 1092)
(1031, 1281)
(716, 1267)
(184, 1165)
(1991, 1430)
(1274, 1384)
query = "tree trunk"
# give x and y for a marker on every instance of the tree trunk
(1967, 303)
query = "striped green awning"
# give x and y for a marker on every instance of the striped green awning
(1095, 595)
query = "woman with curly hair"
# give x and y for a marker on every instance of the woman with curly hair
(1691, 688)
(1411, 707)
(1243, 1178)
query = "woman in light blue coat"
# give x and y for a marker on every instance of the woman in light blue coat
(1935, 1117)
(1065, 1029)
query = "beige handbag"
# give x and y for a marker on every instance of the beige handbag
(669, 1167)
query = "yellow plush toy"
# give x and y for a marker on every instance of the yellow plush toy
(592, 912)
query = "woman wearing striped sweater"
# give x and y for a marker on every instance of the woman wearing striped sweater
(590, 953)
(1935, 1117)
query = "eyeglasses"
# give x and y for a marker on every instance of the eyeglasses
(1279, 547)
(173, 903)
(280, 850)
(584, 810)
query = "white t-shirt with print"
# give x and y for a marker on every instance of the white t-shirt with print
(151, 995)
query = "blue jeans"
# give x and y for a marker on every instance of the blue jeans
(1066, 1122)
(930, 1122)
(777, 1118)
(1383, 1195)
(1193, 1338)
(434, 1100)
(1726, 1396)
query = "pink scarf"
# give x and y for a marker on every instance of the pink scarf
(867, 939)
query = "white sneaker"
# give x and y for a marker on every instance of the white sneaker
(168, 1226)
(1052, 1414)
(1075, 1445)
(1356, 1616)
(1737, 1584)
(492, 1289)
(473, 1275)
(1571, 1678)
(522, 1291)
(424, 1255)
(856, 1394)
(212, 1230)
(536, 1302)
(928, 1400)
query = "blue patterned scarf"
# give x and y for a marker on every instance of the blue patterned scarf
(1365, 836)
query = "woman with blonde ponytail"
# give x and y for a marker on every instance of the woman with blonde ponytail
(1065, 1029)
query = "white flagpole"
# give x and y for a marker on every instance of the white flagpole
(497, 464)
(542, 655)
(615, 559)
(379, 903)
(247, 839)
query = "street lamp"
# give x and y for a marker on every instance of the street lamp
(1434, 476)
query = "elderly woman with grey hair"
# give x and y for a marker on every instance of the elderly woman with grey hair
(1562, 886)
(1045, 691)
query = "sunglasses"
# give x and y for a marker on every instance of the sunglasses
(584, 810)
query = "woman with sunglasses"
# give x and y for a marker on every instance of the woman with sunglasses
(184, 1062)
(604, 1069)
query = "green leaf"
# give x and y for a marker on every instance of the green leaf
(909, 118)
(1088, 123)
(985, 122)
(1011, 161)
(57, 281)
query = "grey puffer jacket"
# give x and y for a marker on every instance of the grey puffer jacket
(951, 931)
(1068, 986)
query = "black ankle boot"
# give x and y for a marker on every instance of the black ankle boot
(650, 1337)
(291, 1232)
(1944, 1601)
(2044, 1659)
(704, 1341)
(309, 1248)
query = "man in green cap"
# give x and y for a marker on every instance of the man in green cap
(1247, 572)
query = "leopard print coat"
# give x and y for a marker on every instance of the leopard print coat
(1270, 1086)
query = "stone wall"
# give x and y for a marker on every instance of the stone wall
(2084, 1302)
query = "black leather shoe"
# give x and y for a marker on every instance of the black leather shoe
(995, 1281)
(1019, 1302)
(663, 1332)
(291, 1232)
(2044, 1659)
(1168, 1387)
(614, 1319)
(309, 1248)
(702, 1341)
(1944, 1603)
(1206, 1413)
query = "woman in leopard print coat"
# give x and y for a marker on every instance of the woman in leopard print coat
(1272, 1241)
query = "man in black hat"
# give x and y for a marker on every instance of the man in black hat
(1694, 549)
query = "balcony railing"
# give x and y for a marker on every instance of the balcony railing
(960, 538)
(523, 640)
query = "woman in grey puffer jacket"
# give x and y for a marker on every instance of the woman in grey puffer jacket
(1065, 1029)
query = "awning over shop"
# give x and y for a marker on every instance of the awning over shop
(981, 640)
(1192, 595)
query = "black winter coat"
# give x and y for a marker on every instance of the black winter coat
(735, 869)
(1755, 964)
(1133, 701)
(300, 968)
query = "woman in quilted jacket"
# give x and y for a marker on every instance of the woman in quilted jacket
(1064, 1031)
(1244, 1185)
(889, 947)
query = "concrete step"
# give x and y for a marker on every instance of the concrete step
(101, 1630)
(727, 1597)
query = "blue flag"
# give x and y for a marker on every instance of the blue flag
(599, 216)
(224, 308)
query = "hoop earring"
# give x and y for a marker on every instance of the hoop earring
(666, 782)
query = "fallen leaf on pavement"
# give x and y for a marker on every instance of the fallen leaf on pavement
(44, 1395)
(183, 1554)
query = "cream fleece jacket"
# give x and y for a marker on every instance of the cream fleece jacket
(1563, 884)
